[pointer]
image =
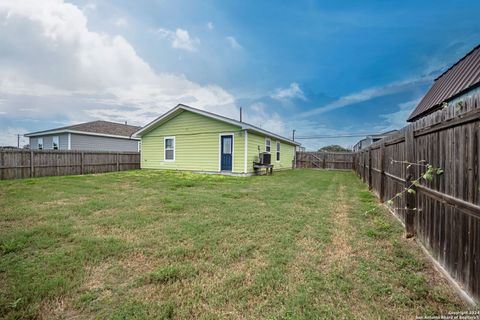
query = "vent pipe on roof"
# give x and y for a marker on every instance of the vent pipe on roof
(240, 114)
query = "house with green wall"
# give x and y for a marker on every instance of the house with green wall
(191, 139)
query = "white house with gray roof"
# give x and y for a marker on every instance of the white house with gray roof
(88, 136)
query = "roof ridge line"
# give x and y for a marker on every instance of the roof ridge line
(461, 59)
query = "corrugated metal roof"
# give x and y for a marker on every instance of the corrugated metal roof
(459, 78)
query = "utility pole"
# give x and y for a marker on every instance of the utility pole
(18, 140)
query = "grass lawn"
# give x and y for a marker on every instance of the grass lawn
(152, 244)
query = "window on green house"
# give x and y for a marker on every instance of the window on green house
(267, 145)
(278, 151)
(169, 148)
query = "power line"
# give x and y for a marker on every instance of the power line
(353, 135)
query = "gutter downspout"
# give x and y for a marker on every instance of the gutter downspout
(246, 153)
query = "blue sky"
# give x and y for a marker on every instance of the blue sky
(320, 67)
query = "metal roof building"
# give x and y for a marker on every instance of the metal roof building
(458, 80)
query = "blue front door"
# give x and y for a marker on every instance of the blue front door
(226, 153)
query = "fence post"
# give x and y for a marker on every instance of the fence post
(32, 168)
(57, 169)
(81, 163)
(369, 168)
(324, 162)
(118, 164)
(364, 174)
(382, 172)
(410, 198)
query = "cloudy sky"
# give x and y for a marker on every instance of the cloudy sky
(320, 67)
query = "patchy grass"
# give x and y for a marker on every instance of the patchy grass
(152, 244)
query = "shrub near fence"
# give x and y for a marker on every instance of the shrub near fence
(444, 213)
(17, 164)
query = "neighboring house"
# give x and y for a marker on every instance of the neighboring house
(459, 81)
(91, 136)
(190, 139)
(371, 139)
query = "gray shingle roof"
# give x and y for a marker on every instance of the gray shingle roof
(100, 127)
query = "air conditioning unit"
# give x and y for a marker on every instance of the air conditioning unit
(265, 158)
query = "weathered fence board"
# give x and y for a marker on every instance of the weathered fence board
(325, 160)
(444, 214)
(17, 164)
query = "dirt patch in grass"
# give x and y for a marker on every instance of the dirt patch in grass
(112, 275)
(62, 202)
(95, 278)
(102, 231)
(138, 263)
(57, 308)
(108, 212)
(307, 249)
(339, 250)
(205, 288)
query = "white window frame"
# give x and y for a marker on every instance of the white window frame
(277, 151)
(165, 149)
(269, 145)
(53, 142)
(38, 143)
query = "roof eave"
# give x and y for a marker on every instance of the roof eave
(49, 132)
(181, 107)
(272, 135)
(244, 126)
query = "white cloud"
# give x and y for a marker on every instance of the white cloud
(397, 119)
(261, 115)
(210, 25)
(291, 92)
(121, 22)
(8, 136)
(258, 115)
(367, 94)
(90, 7)
(63, 70)
(233, 42)
(180, 39)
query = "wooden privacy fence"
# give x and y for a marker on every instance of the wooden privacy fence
(17, 164)
(324, 160)
(444, 214)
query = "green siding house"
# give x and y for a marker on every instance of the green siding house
(190, 139)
